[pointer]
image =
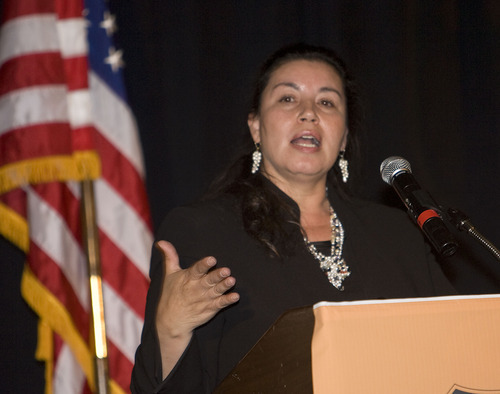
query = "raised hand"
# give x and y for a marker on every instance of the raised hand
(190, 297)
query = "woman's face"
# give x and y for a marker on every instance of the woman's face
(301, 125)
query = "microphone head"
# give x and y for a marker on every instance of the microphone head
(392, 166)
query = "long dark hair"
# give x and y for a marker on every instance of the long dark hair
(264, 212)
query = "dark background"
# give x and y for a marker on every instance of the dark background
(429, 71)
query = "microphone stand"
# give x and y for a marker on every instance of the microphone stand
(463, 223)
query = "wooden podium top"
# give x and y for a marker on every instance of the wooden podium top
(280, 362)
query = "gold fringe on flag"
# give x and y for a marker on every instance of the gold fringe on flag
(14, 228)
(77, 167)
(54, 315)
(54, 318)
(45, 352)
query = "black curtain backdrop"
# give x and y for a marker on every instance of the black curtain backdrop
(429, 71)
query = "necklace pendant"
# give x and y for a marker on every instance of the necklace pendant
(337, 273)
(333, 266)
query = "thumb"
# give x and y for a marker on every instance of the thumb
(170, 257)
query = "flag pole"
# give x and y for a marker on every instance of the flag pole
(91, 245)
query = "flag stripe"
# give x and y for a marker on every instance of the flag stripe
(41, 29)
(72, 108)
(39, 136)
(65, 8)
(59, 244)
(72, 37)
(50, 274)
(68, 8)
(79, 108)
(76, 72)
(63, 199)
(31, 70)
(128, 182)
(123, 276)
(65, 366)
(15, 9)
(126, 328)
(16, 201)
(122, 365)
(25, 107)
(114, 119)
(122, 225)
(47, 34)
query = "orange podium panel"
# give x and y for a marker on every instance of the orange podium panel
(445, 345)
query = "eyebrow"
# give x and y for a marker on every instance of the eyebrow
(296, 87)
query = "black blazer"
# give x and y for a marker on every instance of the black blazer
(385, 252)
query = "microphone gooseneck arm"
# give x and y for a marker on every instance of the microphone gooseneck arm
(396, 171)
(463, 223)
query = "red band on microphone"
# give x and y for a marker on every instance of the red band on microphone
(424, 216)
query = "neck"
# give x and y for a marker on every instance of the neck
(310, 195)
(313, 204)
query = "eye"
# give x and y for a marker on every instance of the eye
(327, 103)
(287, 99)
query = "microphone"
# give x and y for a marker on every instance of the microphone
(396, 171)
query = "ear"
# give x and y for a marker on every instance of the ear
(253, 122)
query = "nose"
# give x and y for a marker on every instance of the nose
(308, 113)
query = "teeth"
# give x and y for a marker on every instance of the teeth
(307, 141)
(308, 145)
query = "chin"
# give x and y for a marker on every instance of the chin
(310, 168)
(309, 171)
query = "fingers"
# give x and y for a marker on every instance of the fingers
(213, 283)
(219, 295)
(223, 286)
(226, 300)
(170, 257)
(201, 267)
(220, 292)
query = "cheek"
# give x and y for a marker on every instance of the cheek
(337, 128)
(273, 129)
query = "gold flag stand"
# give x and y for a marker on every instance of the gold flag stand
(91, 245)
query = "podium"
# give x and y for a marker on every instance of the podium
(448, 345)
(280, 361)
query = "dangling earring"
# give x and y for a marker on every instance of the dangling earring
(343, 164)
(256, 158)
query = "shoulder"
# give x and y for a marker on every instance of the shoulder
(204, 227)
(375, 211)
(378, 218)
(207, 228)
(201, 214)
(379, 211)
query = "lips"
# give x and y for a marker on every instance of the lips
(306, 141)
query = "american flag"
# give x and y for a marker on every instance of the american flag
(65, 118)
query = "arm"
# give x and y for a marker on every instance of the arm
(179, 300)
(195, 231)
(189, 298)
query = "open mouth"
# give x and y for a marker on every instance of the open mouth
(306, 141)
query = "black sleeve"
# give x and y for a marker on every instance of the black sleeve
(188, 375)
(147, 371)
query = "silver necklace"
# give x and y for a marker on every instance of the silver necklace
(334, 266)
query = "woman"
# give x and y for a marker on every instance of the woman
(278, 231)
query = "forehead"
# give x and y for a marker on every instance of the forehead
(307, 72)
